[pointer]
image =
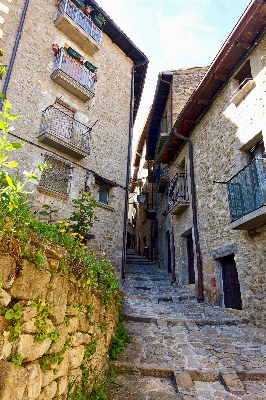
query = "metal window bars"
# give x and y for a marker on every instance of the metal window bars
(83, 20)
(57, 178)
(177, 190)
(65, 127)
(73, 69)
(247, 189)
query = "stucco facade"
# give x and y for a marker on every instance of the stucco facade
(98, 113)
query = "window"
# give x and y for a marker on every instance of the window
(257, 151)
(56, 178)
(243, 75)
(103, 195)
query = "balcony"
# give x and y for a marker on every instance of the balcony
(78, 27)
(64, 133)
(247, 196)
(178, 199)
(162, 180)
(72, 76)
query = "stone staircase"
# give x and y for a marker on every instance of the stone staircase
(181, 349)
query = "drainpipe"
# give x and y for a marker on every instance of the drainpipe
(130, 137)
(171, 101)
(200, 296)
(14, 52)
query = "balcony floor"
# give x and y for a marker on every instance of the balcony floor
(70, 28)
(251, 220)
(74, 87)
(60, 144)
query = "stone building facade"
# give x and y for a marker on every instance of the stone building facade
(77, 87)
(218, 243)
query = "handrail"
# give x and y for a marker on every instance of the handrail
(65, 127)
(83, 20)
(73, 69)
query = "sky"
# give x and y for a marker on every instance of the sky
(173, 34)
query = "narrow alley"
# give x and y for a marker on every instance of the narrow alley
(181, 349)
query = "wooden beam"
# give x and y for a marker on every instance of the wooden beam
(189, 121)
(205, 102)
(220, 77)
(116, 38)
(244, 45)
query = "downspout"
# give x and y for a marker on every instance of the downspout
(130, 137)
(200, 296)
(14, 52)
(128, 174)
(171, 101)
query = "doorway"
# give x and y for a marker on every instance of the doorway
(190, 254)
(231, 286)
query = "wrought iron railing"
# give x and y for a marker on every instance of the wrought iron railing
(247, 189)
(177, 190)
(73, 69)
(84, 21)
(65, 127)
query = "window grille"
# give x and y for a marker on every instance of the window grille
(56, 178)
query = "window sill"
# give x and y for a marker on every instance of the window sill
(106, 206)
(49, 192)
(242, 93)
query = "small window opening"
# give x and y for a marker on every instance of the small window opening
(244, 75)
(103, 195)
(257, 151)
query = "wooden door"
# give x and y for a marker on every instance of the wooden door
(231, 286)
(190, 254)
(169, 252)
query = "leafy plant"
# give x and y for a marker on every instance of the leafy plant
(48, 211)
(119, 339)
(91, 347)
(83, 216)
(43, 328)
(101, 18)
(14, 315)
(66, 321)
(55, 358)
(17, 359)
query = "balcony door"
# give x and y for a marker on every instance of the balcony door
(190, 254)
(231, 286)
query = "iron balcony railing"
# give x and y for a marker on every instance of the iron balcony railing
(247, 189)
(66, 128)
(73, 69)
(177, 190)
(84, 21)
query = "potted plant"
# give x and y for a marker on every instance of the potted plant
(95, 78)
(73, 53)
(88, 10)
(141, 198)
(90, 67)
(81, 60)
(55, 47)
(78, 3)
(99, 20)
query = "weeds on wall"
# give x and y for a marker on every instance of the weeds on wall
(22, 235)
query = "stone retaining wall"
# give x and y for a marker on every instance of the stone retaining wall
(78, 322)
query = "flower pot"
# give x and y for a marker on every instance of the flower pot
(78, 3)
(55, 48)
(88, 10)
(95, 78)
(90, 67)
(73, 53)
(81, 60)
(98, 21)
(151, 213)
(141, 198)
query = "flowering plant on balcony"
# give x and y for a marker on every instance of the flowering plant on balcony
(99, 20)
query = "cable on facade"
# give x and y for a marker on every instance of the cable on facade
(73, 162)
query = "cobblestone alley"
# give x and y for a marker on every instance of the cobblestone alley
(182, 349)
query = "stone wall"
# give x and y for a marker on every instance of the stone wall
(221, 141)
(31, 90)
(77, 322)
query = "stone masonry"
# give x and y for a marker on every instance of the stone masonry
(182, 349)
(31, 90)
